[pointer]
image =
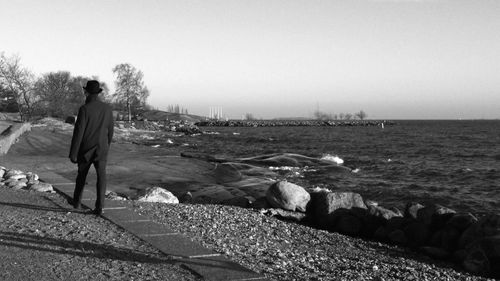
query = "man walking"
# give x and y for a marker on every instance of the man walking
(90, 143)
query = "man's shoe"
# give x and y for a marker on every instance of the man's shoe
(97, 212)
(76, 205)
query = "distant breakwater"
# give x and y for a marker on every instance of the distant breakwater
(291, 123)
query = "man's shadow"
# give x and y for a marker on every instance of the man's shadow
(78, 248)
(71, 247)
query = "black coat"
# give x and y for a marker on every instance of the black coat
(93, 131)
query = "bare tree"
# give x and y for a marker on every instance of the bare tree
(20, 81)
(249, 117)
(130, 89)
(52, 91)
(361, 115)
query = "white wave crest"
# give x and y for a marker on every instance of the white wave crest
(333, 158)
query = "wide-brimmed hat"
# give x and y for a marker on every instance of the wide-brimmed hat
(93, 87)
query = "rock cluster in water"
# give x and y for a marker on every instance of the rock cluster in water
(290, 123)
(17, 179)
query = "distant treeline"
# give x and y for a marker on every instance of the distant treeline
(290, 123)
(60, 94)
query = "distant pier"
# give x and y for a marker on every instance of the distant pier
(294, 123)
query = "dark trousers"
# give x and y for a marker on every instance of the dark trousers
(83, 169)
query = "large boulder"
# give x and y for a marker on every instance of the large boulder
(477, 262)
(488, 225)
(461, 221)
(158, 195)
(349, 224)
(449, 238)
(374, 218)
(435, 216)
(417, 234)
(398, 237)
(483, 256)
(327, 207)
(288, 196)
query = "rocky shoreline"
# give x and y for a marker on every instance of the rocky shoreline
(308, 240)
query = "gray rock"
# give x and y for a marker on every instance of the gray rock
(373, 218)
(42, 187)
(111, 195)
(449, 238)
(186, 198)
(435, 216)
(158, 195)
(226, 172)
(381, 234)
(18, 185)
(435, 252)
(477, 262)
(488, 225)
(461, 221)
(483, 256)
(411, 209)
(348, 224)
(288, 196)
(417, 234)
(398, 237)
(10, 182)
(325, 203)
(381, 212)
(32, 177)
(14, 174)
(285, 215)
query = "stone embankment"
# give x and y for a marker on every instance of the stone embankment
(10, 135)
(435, 230)
(292, 123)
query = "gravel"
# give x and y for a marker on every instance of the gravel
(41, 240)
(288, 251)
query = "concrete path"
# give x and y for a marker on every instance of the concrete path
(210, 265)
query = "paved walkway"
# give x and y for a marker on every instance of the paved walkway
(210, 265)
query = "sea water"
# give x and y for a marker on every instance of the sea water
(452, 163)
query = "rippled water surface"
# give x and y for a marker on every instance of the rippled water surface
(453, 163)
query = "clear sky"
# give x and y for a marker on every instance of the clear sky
(394, 59)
